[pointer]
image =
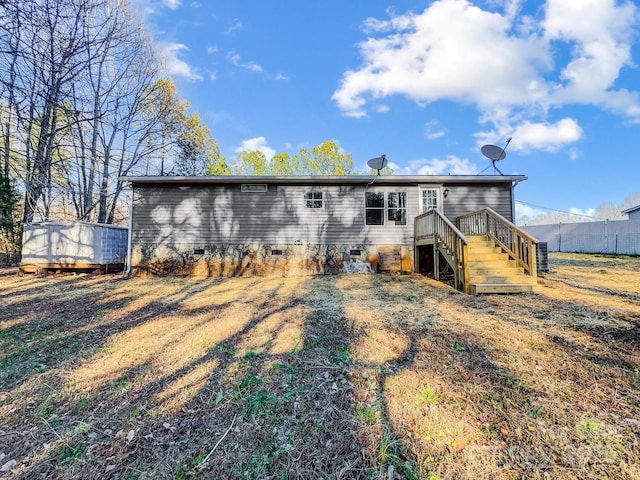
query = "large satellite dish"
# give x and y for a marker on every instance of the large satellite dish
(378, 163)
(495, 154)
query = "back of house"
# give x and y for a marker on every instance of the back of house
(237, 226)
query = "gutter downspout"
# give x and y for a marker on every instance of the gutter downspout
(513, 201)
(127, 270)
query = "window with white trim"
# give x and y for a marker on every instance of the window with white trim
(313, 200)
(429, 199)
(397, 208)
(389, 209)
(374, 208)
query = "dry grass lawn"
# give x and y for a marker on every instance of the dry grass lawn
(338, 377)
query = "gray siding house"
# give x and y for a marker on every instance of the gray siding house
(633, 213)
(238, 225)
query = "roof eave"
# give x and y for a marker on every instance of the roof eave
(343, 179)
(632, 209)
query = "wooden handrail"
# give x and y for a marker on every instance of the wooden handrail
(446, 236)
(517, 243)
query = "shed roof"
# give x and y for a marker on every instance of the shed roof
(73, 223)
(328, 180)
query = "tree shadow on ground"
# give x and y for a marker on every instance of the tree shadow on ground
(323, 377)
(287, 394)
(473, 393)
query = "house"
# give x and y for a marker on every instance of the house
(239, 225)
(633, 213)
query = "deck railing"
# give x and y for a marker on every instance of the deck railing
(448, 238)
(516, 242)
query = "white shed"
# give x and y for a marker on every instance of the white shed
(73, 245)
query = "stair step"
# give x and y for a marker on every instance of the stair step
(476, 249)
(491, 264)
(474, 241)
(495, 279)
(486, 256)
(477, 288)
(477, 238)
(483, 270)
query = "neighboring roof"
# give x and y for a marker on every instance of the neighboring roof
(328, 180)
(632, 209)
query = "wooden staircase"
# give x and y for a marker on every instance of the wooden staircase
(487, 253)
(490, 270)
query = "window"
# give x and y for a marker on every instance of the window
(253, 187)
(429, 199)
(313, 199)
(395, 208)
(374, 208)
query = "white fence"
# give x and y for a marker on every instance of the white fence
(619, 237)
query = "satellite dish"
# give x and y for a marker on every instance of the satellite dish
(495, 154)
(378, 163)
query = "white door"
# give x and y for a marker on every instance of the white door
(430, 199)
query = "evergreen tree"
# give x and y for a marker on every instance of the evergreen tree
(9, 245)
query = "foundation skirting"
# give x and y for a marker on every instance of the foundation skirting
(269, 260)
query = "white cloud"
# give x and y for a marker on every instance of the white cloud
(452, 50)
(574, 154)
(256, 143)
(589, 212)
(237, 25)
(212, 76)
(175, 66)
(172, 4)
(212, 49)
(143, 7)
(514, 68)
(526, 212)
(528, 136)
(600, 33)
(435, 166)
(433, 130)
(234, 57)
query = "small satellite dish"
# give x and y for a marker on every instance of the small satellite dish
(495, 154)
(378, 163)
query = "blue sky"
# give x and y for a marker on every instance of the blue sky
(425, 82)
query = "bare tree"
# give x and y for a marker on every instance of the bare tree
(48, 53)
(81, 104)
(110, 104)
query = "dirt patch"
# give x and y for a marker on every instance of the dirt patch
(343, 376)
